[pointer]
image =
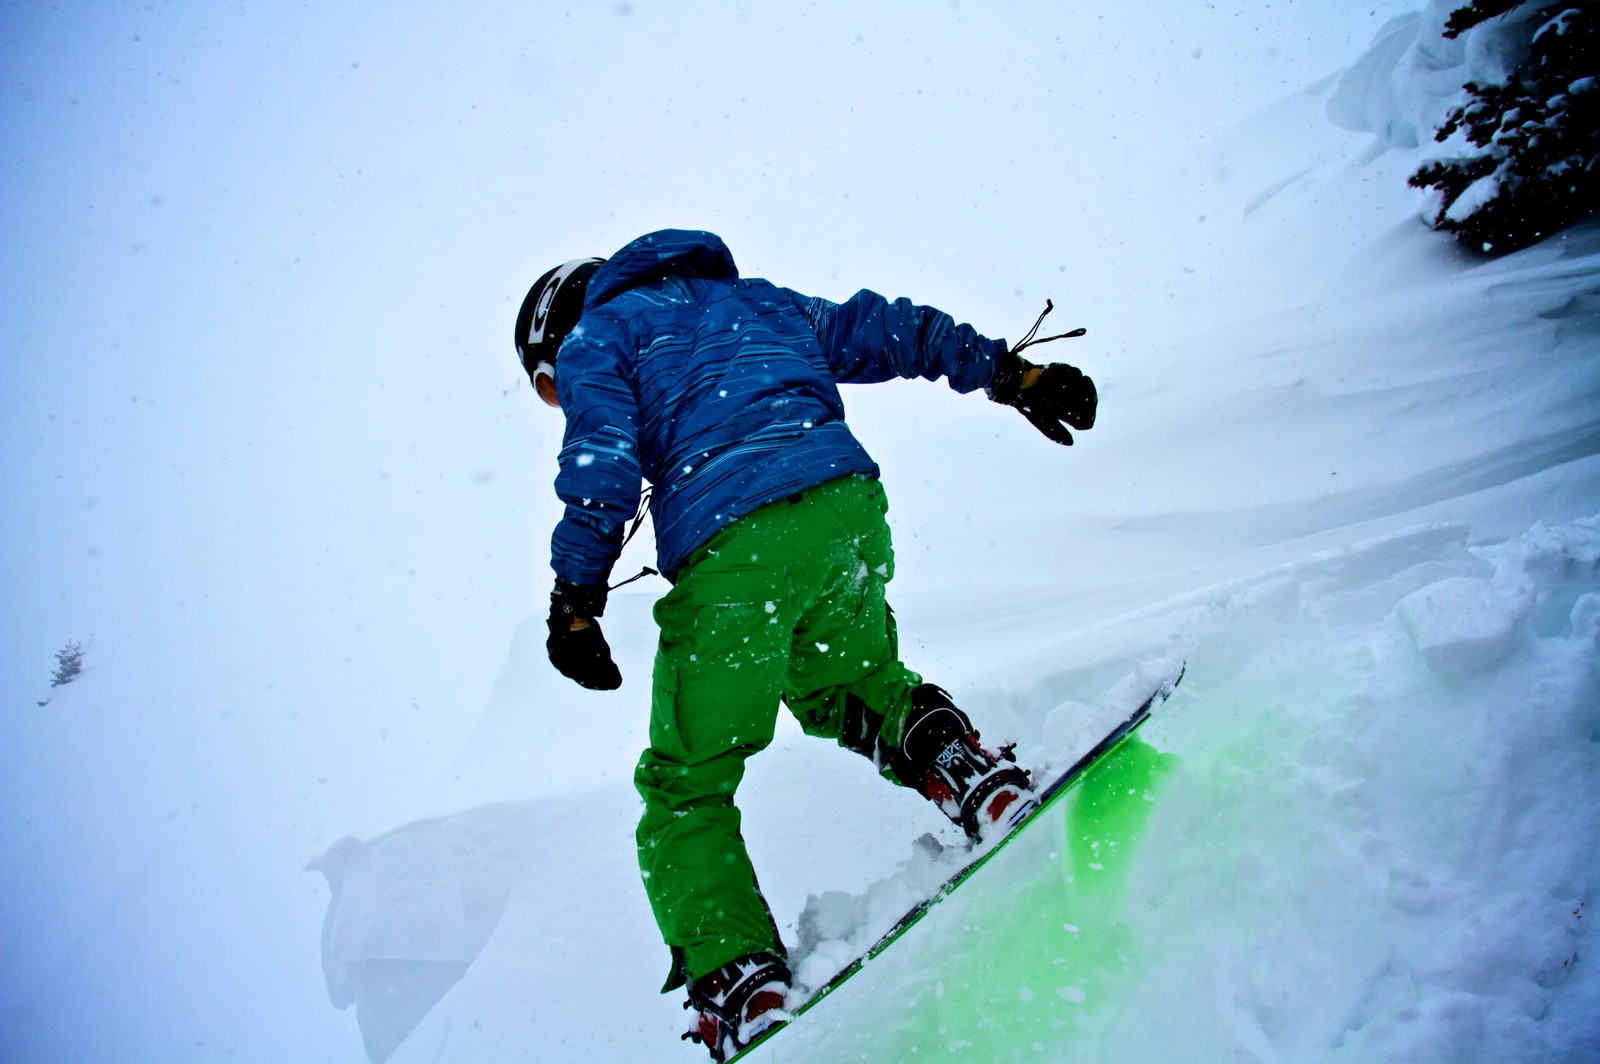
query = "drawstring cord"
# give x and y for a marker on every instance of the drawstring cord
(640, 575)
(638, 520)
(1029, 340)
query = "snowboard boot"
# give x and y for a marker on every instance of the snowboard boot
(940, 756)
(738, 1002)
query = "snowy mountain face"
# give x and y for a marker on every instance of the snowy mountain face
(269, 459)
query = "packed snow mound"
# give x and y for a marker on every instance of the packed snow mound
(1403, 87)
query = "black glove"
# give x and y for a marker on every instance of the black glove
(577, 649)
(1047, 396)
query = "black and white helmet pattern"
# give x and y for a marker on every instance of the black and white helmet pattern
(550, 310)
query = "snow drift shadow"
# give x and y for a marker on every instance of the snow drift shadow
(412, 908)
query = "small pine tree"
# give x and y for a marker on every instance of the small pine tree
(69, 663)
(1537, 167)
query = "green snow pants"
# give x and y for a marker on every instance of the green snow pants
(785, 603)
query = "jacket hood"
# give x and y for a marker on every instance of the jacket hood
(688, 252)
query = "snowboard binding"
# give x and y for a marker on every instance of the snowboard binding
(738, 1003)
(941, 757)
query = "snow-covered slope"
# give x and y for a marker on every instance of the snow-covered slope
(266, 450)
(1378, 844)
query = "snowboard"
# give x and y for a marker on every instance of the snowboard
(1054, 789)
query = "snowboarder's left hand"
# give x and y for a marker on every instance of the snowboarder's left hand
(1048, 396)
(576, 646)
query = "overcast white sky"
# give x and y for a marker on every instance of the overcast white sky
(260, 263)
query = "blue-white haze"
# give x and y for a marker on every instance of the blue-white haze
(267, 452)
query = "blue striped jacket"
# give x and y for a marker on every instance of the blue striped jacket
(722, 392)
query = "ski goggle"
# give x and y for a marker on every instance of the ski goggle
(544, 383)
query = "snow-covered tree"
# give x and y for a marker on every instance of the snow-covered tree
(69, 663)
(1527, 158)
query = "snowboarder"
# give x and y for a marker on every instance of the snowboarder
(722, 392)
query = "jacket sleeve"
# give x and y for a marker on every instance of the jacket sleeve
(599, 477)
(868, 338)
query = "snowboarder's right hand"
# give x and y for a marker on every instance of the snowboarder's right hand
(576, 646)
(1050, 397)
